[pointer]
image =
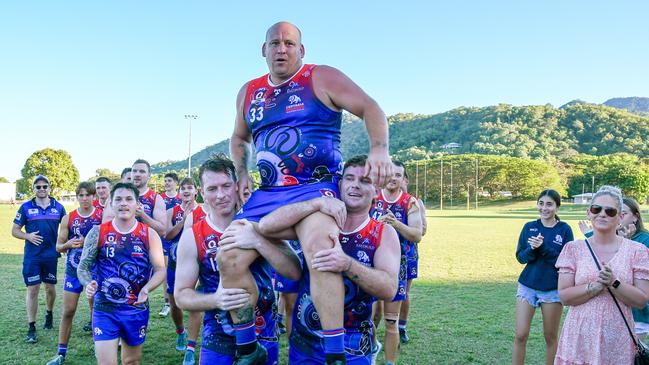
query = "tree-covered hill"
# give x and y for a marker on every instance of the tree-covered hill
(633, 104)
(537, 132)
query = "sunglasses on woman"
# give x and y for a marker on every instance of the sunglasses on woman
(610, 211)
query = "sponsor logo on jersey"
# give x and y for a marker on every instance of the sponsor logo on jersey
(558, 240)
(33, 278)
(328, 193)
(98, 331)
(363, 256)
(68, 284)
(294, 87)
(18, 216)
(534, 229)
(137, 252)
(142, 332)
(295, 104)
(277, 91)
(32, 211)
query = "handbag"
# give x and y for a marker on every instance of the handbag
(642, 353)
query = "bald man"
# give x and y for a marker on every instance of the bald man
(294, 116)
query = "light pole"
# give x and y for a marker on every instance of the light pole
(190, 117)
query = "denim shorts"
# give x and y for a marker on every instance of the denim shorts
(536, 297)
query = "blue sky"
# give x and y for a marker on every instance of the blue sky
(111, 81)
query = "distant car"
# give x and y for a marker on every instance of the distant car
(505, 194)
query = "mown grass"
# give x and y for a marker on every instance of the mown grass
(462, 311)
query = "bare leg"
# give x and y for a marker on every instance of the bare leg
(70, 301)
(106, 352)
(131, 355)
(176, 313)
(289, 305)
(50, 295)
(405, 305)
(32, 302)
(234, 267)
(327, 289)
(524, 315)
(391, 314)
(194, 325)
(551, 321)
(377, 314)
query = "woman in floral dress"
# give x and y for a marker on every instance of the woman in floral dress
(593, 331)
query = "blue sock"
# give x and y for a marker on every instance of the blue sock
(246, 337)
(63, 348)
(403, 324)
(334, 341)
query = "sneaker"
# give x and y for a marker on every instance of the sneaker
(375, 352)
(31, 336)
(403, 335)
(48, 322)
(57, 360)
(189, 358)
(165, 310)
(87, 327)
(181, 341)
(258, 357)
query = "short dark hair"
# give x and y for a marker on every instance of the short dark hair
(172, 175)
(400, 164)
(125, 171)
(148, 165)
(187, 181)
(103, 179)
(356, 161)
(128, 186)
(87, 186)
(218, 163)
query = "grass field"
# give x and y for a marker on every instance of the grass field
(462, 311)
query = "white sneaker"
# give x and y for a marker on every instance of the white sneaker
(375, 352)
(165, 310)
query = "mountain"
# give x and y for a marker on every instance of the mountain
(634, 104)
(537, 131)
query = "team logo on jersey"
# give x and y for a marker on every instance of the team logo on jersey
(142, 332)
(294, 87)
(327, 193)
(259, 95)
(362, 256)
(18, 216)
(558, 239)
(137, 252)
(68, 284)
(55, 211)
(295, 104)
(98, 331)
(276, 92)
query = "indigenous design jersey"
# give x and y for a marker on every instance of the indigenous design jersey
(399, 207)
(148, 202)
(122, 268)
(198, 214)
(306, 336)
(296, 136)
(170, 201)
(218, 333)
(79, 226)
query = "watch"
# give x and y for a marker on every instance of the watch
(616, 283)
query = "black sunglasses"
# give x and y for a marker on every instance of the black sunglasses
(610, 211)
(39, 187)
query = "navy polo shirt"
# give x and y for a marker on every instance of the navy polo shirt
(46, 222)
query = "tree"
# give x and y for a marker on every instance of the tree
(3, 179)
(56, 165)
(114, 177)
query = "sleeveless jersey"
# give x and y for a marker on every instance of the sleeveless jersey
(123, 267)
(79, 226)
(296, 136)
(218, 333)
(148, 202)
(177, 216)
(399, 208)
(97, 204)
(361, 245)
(171, 201)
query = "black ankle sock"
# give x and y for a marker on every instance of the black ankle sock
(32, 325)
(49, 313)
(247, 349)
(329, 358)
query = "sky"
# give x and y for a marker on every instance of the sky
(110, 82)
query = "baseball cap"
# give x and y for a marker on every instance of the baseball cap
(41, 178)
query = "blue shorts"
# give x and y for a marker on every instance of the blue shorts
(36, 271)
(265, 200)
(536, 297)
(72, 284)
(400, 296)
(171, 280)
(295, 357)
(212, 357)
(413, 266)
(284, 285)
(166, 245)
(130, 326)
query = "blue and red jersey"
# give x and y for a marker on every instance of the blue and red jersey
(399, 207)
(296, 136)
(148, 202)
(79, 226)
(177, 216)
(171, 201)
(97, 204)
(361, 245)
(218, 333)
(123, 267)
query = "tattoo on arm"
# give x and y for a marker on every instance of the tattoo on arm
(380, 143)
(244, 315)
(88, 256)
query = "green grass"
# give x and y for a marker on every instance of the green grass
(462, 311)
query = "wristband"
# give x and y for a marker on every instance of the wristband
(616, 283)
